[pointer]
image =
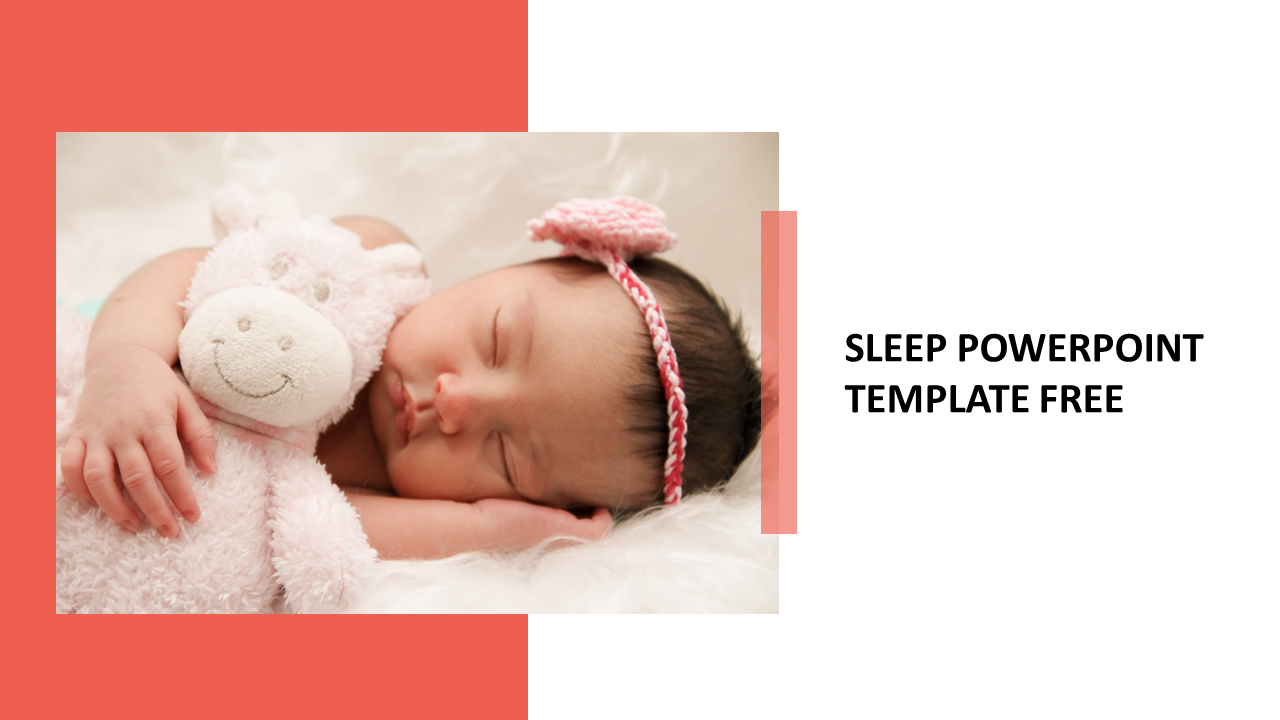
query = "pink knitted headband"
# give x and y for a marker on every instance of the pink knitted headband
(611, 232)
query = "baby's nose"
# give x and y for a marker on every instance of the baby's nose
(456, 404)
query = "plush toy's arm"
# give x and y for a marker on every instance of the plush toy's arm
(321, 555)
(71, 335)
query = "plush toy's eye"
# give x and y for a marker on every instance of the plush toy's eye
(279, 269)
(286, 343)
(244, 324)
(322, 291)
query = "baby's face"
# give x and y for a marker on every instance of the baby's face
(512, 385)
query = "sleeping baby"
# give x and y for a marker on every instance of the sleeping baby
(535, 401)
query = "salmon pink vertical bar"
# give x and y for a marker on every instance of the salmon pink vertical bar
(769, 372)
(788, 310)
(778, 371)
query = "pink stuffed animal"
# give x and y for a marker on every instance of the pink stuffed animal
(286, 322)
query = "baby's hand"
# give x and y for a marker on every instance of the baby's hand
(519, 524)
(130, 414)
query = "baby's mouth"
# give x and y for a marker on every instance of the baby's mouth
(402, 401)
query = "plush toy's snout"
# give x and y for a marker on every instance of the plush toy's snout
(264, 353)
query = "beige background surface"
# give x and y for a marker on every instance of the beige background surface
(464, 198)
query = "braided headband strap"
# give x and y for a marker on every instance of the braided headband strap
(611, 232)
(668, 373)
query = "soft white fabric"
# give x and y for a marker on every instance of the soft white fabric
(124, 199)
(704, 555)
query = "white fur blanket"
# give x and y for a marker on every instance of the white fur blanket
(124, 199)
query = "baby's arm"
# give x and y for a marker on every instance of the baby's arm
(133, 408)
(405, 528)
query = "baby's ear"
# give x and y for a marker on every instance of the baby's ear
(234, 208)
(397, 259)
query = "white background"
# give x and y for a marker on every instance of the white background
(979, 167)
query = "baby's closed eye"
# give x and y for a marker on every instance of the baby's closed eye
(494, 337)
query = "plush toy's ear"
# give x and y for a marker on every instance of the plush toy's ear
(397, 259)
(234, 208)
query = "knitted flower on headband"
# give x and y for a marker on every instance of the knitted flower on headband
(592, 229)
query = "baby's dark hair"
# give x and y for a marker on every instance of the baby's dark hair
(721, 378)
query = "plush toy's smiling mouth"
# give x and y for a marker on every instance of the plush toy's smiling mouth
(287, 380)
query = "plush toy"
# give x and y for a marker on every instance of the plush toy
(286, 320)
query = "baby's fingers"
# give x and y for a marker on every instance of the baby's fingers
(170, 466)
(198, 433)
(73, 470)
(596, 526)
(591, 528)
(135, 472)
(100, 479)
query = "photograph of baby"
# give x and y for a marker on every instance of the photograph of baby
(390, 373)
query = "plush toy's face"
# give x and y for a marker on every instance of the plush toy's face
(262, 353)
(286, 319)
